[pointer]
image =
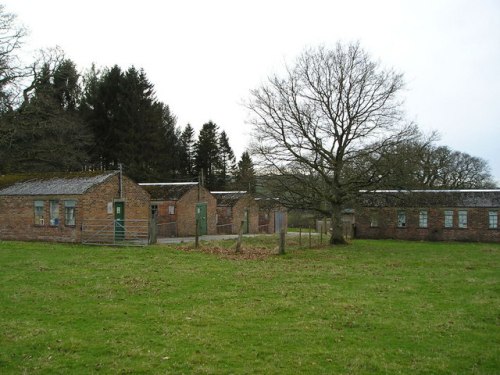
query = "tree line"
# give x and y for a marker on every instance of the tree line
(52, 118)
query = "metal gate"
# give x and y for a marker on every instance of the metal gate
(115, 232)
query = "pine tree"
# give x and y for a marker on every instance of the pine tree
(226, 162)
(186, 152)
(130, 125)
(207, 154)
(245, 174)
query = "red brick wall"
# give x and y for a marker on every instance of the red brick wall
(477, 225)
(136, 205)
(17, 219)
(235, 214)
(225, 223)
(166, 222)
(186, 215)
(244, 203)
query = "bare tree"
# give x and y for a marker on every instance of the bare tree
(11, 36)
(420, 164)
(315, 127)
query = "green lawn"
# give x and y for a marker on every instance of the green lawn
(372, 307)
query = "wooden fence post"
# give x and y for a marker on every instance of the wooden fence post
(153, 234)
(282, 241)
(300, 236)
(240, 236)
(310, 245)
(196, 238)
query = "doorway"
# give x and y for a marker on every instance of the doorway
(201, 218)
(119, 221)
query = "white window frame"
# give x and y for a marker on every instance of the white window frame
(402, 219)
(171, 210)
(462, 219)
(54, 218)
(423, 219)
(493, 219)
(39, 211)
(448, 218)
(70, 213)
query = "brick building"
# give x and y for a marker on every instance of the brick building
(435, 215)
(272, 215)
(233, 208)
(73, 207)
(176, 208)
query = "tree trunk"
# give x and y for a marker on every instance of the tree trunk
(337, 237)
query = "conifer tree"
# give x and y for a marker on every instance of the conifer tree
(207, 154)
(245, 174)
(186, 152)
(226, 162)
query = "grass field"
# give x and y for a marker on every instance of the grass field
(372, 307)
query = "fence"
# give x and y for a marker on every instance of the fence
(115, 232)
(264, 228)
(166, 230)
(225, 228)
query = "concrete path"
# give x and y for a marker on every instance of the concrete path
(217, 237)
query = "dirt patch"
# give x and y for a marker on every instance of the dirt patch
(247, 253)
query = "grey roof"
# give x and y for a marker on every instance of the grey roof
(170, 191)
(67, 185)
(228, 198)
(432, 198)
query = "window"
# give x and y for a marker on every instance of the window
(171, 210)
(39, 212)
(448, 219)
(54, 213)
(374, 220)
(69, 213)
(462, 219)
(154, 211)
(401, 219)
(423, 219)
(493, 219)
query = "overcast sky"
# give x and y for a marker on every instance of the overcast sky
(204, 56)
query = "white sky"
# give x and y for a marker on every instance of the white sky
(204, 56)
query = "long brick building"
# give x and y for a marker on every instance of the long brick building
(435, 215)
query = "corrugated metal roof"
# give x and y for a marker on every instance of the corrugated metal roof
(66, 185)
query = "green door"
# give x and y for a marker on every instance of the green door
(119, 221)
(201, 218)
(245, 219)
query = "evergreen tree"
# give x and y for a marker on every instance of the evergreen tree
(207, 154)
(245, 174)
(226, 162)
(66, 85)
(186, 152)
(130, 126)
